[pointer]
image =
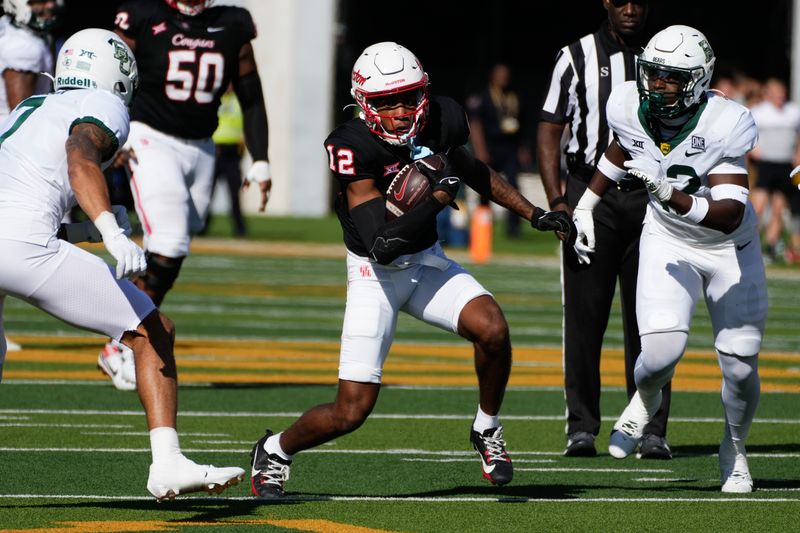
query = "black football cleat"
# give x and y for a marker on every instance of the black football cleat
(491, 448)
(654, 447)
(269, 471)
(580, 444)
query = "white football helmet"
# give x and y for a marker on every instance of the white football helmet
(386, 72)
(190, 8)
(23, 15)
(677, 54)
(97, 59)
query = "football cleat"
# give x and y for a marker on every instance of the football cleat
(117, 361)
(629, 428)
(491, 448)
(654, 447)
(12, 346)
(580, 444)
(733, 468)
(269, 471)
(169, 479)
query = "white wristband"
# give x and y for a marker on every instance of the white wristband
(698, 211)
(106, 224)
(589, 200)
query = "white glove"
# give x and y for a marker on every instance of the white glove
(86, 231)
(584, 225)
(649, 171)
(130, 258)
(259, 173)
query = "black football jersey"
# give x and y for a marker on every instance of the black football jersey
(185, 63)
(355, 153)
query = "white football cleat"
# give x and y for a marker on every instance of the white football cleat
(733, 469)
(12, 346)
(117, 361)
(182, 475)
(629, 428)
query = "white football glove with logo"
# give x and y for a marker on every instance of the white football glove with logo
(86, 231)
(650, 173)
(583, 219)
(260, 173)
(130, 258)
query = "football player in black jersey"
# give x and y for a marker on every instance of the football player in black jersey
(399, 265)
(188, 53)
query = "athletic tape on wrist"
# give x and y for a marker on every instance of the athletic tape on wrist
(589, 200)
(106, 224)
(698, 211)
(730, 191)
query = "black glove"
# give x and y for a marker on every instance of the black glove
(443, 178)
(450, 185)
(553, 221)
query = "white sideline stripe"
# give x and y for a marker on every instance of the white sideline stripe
(15, 418)
(466, 460)
(396, 451)
(147, 434)
(787, 489)
(642, 470)
(404, 499)
(384, 416)
(32, 425)
(671, 479)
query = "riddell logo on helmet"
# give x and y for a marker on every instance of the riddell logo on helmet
(359, 78)
(74, 81)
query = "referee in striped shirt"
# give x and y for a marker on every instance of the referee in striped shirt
(582, 79)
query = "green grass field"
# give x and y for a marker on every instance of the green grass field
(258, 326)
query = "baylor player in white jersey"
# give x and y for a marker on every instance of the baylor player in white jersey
(52, 149)
(688, 145)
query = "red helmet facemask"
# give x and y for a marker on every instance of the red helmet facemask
(189, 8)
(374, 107)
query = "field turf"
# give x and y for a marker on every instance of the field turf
(258, 326)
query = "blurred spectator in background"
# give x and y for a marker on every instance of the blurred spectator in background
(778, 122)
(498, 131)
(229, 141)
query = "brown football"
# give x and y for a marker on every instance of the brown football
(410, 187)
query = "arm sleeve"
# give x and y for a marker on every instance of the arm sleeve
(389, 240)
(254, 113)
(472, 171)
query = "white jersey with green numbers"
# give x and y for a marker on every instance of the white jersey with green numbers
(714, 141)
(35, 191)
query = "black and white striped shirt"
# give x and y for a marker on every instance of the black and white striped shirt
(584, 74)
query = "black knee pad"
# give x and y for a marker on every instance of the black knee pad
(161, 272)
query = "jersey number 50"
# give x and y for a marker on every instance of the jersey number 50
(182, 81)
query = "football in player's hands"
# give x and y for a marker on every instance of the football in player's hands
(409, 187)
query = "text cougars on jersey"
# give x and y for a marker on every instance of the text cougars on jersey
(180, 39)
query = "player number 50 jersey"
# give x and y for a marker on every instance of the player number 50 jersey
(714, 141)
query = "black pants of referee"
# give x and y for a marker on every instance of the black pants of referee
(588, 296)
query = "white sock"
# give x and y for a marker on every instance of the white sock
(164, 444)
(483, 421)
(273, 446)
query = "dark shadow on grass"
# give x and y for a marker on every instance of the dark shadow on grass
(203, 509)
